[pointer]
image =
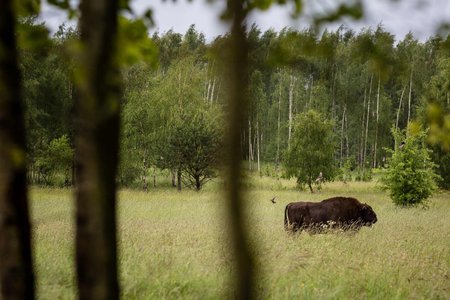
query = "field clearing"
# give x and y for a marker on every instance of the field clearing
(174, 246)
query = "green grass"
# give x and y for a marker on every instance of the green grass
(174, 246)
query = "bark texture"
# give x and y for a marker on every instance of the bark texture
(16, 273)
(97, 144)
(238, 106)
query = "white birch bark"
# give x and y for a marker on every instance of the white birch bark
(212, 91)
(257, 145)
(361, 148)
(208, 89)
(277, 159)
(409, 96)
(342, 136)
(376, 126)
(399, 107)
(367, 122)
(293, 79)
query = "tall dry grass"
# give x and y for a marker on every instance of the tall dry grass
(173, 245)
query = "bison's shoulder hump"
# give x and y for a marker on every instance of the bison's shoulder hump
(342, 200)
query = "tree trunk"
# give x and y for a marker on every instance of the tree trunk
(144, 171)
(174, 182)
(310, 91)
(376, 126)
(97, 145)
(342, 137)
(16, 268)
(291, 100)
(333, 95)
(399, 107)
(277, 159)
(409, 96)
(208, 90)
(198, 184)
(250, 148)
(310, 186)
(346, 138)
(361, 148)
(367, 123)
(179, 180)
(212, 91)
(257, 145)
(243, 278)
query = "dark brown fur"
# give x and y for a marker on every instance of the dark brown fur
(337, 212)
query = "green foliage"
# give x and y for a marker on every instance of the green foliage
(175, 74)
(311, 150)
(354, 11)
(56, 159)
(364, 175)
(442, 160)
(438, 105)
(192, 146)
(33, 37)
(410, 178)
(346, 172)
(27, 7)
(134, 44)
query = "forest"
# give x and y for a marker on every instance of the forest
(365, 83)
(103, 124)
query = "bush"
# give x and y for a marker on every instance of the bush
(192, 146)
(310, 154)
(345, 172)
(56, 161)
(409, 177)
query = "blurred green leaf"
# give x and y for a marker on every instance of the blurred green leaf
(135, 44)
(33, 37)
(27, 7)
(354, 11)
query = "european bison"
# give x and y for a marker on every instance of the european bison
(340, 212)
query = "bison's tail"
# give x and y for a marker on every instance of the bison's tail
(286, 218)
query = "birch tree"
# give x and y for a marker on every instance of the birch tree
(311, 152)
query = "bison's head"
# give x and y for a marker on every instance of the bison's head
(368, 216)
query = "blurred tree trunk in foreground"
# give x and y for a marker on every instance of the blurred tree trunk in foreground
(97, 143)
(16, 274)
(238, 105)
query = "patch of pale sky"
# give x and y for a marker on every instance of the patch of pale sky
(421, 17)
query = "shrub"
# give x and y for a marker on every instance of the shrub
(409, 178)
(345, 172)
(192, 146)
(310, 154)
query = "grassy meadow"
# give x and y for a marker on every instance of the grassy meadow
(173, 245)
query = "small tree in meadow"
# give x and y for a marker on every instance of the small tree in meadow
(310, 155)
(192, 147)
(410, 178)
(56, 159)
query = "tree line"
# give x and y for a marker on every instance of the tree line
(66, 106)
(365, 82)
